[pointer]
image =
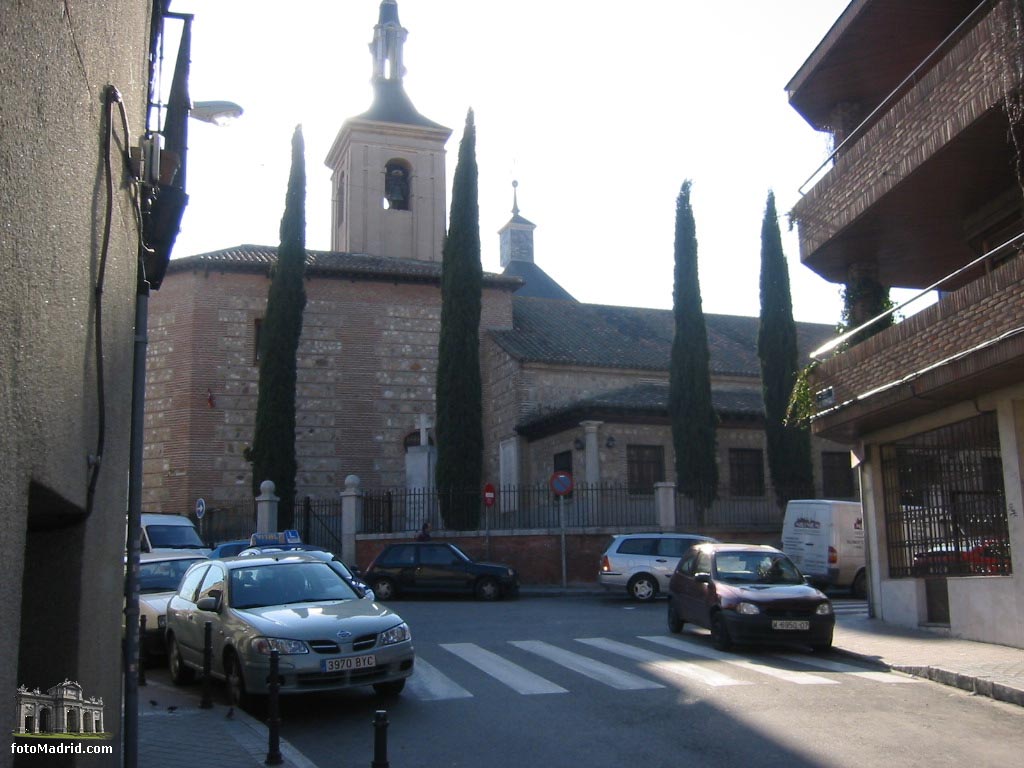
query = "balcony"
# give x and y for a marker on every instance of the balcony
(968, 344)
(926, 180)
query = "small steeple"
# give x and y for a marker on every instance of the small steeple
(516, 237)
(388, 38)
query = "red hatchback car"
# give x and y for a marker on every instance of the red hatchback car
(746, 593)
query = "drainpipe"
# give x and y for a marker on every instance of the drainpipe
(130, 725)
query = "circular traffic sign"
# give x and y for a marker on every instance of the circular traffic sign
(561, 483)
(200, 509)
(489, 495)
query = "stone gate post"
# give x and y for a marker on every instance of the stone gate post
(266, 508)
(665, 505)
(351, 511)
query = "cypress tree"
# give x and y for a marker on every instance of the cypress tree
(459, 422)
(690, 409)
(273, 448)
(789, 446)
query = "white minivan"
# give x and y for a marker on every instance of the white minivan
(826, 541)
(162, 533)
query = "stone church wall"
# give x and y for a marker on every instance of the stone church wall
(366, 369)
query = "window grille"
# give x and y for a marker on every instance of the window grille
(837, 476)
(945, 507)
(746, 472)
(645, 466)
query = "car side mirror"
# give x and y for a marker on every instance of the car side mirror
(210, 603)
(702, 578)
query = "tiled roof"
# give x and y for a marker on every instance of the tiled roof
(642, 402)
(537, 283)
(603, 336)
(260, 258)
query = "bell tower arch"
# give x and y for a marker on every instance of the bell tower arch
(388, 164)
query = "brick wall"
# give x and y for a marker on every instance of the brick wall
(367, 364)
(977, 312)
(946, 100)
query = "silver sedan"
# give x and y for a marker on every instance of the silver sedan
(328, 636)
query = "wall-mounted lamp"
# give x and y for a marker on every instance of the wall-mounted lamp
(577, 444)
(610, 442)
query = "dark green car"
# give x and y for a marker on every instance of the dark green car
(434, 566)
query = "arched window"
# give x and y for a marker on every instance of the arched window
(397, 185)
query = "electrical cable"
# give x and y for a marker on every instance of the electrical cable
(112, 97)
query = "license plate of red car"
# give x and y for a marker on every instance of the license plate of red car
(791, 625)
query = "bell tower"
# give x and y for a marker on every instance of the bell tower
(388, 169)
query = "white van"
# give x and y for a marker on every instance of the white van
(163, 533)
(826, 541)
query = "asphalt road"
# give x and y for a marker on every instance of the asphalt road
(601, 682)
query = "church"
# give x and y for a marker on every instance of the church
(567, 386)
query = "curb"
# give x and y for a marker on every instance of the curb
(980, 686)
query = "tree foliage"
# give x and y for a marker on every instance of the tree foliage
(690, 408)
(273, 449)
(459, 423)
(789, 445)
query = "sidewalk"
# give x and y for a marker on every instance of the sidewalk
(996, 671)
(173, 731)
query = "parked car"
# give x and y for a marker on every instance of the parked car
(159, 576)
(986, 558)
(747, 593)
(229, 548)
(643, 563)
(349, 574)
(292, 602)
(434, 566)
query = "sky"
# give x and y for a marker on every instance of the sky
(600, 115)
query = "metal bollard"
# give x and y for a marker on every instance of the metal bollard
(207, 700)
(380, 740)
(142, 650)
(273, 711)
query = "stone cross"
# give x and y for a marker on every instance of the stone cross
(423, 422)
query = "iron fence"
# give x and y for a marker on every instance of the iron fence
(398, 510)
(725, 513)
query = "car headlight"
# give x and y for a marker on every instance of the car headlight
(747, 609)
(824, 609)
(397, 634)
(511, 573)
(265, 645)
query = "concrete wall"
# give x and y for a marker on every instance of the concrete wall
(62, 571)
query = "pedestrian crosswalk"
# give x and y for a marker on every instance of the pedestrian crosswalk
(449, 671)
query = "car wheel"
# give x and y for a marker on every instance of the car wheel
(383, 589)
(487, 589)
(720, 633)
(675, 621)
(392, 688)
(180, 672)
(643, 588)
(237, 695)
(859, 588)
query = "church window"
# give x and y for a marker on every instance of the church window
(397, 185)
(412, 440)
(645, 466)
(257, 329)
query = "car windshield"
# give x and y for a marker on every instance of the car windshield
(756, 568)
(173, 536)
(281, 583)
(163, 575)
